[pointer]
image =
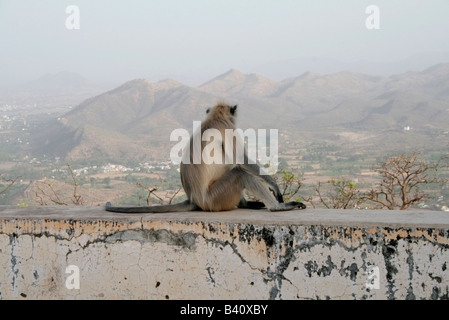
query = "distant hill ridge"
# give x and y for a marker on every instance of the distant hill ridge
(139, 115)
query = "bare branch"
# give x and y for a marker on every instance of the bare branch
(174, 195)
(151, 191)
(9, 185)
(45, 192)
(76, 200)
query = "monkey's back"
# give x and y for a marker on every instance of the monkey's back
(201, 182)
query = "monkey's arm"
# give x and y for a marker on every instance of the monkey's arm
(254, 170)
(178, 207)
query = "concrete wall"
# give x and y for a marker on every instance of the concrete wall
(46, 252)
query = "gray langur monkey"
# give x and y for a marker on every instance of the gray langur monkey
(219, 187)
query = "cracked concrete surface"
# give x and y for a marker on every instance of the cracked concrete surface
(241, 254)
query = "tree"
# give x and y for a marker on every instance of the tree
(340, 194)
(289, 184)
(45, 193)
(402, 179)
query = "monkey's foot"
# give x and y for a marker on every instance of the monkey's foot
(296, 204)
(288, 206)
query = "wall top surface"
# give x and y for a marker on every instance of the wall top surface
(323, 217)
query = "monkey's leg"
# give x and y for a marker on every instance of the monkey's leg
(178, 207)
(261, 189)
(254, 170)
(225, 193)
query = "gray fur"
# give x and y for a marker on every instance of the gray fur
(219, 187)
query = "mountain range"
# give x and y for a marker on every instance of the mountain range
(134, 120)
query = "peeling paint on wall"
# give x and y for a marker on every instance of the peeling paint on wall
(140, 258)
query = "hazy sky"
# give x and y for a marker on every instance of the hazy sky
(194, 40)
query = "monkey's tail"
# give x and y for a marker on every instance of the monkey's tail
(178, 207)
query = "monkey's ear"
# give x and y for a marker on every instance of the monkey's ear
(208, 110)
(233, 109)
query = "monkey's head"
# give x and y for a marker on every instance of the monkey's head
(222, 111)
